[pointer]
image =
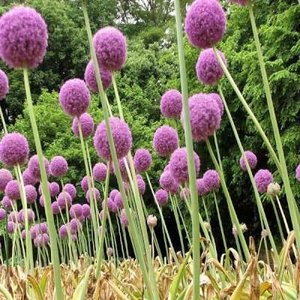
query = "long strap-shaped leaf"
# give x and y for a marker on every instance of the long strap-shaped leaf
(80, 292)
(5, 293)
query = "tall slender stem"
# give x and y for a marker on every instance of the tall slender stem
(189, 146)
(3, 121)
(46, 193)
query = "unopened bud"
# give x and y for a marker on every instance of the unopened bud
(152, 221)
(273, 189)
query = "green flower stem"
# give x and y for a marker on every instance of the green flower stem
(3, 121)
(277, 219)
(249, 111)
(117, 95)
(149, 280)
(257, 196)
(49, 215)
(218, 152)
(283, 216)
(120, 236)
(293, 208)
(189, 147)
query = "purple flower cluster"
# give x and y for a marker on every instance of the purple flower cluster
(201, 187)
(5, 178)
(165, 140)
(298, 173)
(168, 183)
(4, 86)
(71, 190)
(171, 104)
(262, 179)
(251, 159)
(34, 167)
(211, 180)
(99, 172)
(12, 190)
(142, 160)
(87, 125)
(58, 166)
(161, 197)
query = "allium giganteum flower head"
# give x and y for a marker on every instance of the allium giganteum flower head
(90, 77)
(298, 173)
(111, 48)
(205, 116)
(87, 125)
(74, 97)
(165, 140)
(4, 85)
(121, 135)
(99, 172)
(14, 149)
(5, 178)
(262, 179)
(179, 165)
(201, 187)
(161, 197)
(208, 68)
(12, 190)
(211, 180)
(142, 160)
(171, 104)
(58, 166)
(251, 159)
(34, 167)
(205, 23)
(23, 38)
(216, 97)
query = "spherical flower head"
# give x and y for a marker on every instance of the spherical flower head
(86, 210)
(12, 190)
(7, 203)
(13, 216)
(119, 200)
(92, 194)
(167, 182)
(122, 167)
(273, 189)
(74, 226)
(121, 135)
(240, 2)
(251, 159)
(99, 172)
(185, 193)
(23, 38)
(208, 68)
(85, 183)
(171, 104)
(71, 190)
(42, 201)
(4, 87)
(262, 179)
(14, 149)
(34, 167)
(74, 97)
(109, 251)
(211, 180)
(90, 77)
(5, 178)
(151, 221)
(179, 165)
(43, 227)
(141, 185)
(55, 208)
(76, 211)
(54, 189)
(161, 197)
(113, 194)
(28, 178)
(298, 173)
(123, 218)
(112, 206)
(63, 231)
(87, 125)
(2, 214)
(58, 166)
(165, 140)
(216, 97)
(205, 23)
(11, 227)
(30, 216)
(31, 194)
(111, 48)
(142, 160)
(64, 200)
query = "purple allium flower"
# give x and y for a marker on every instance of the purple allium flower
(76, 211)
(298, 173)
(124, 218)
(185, 193)
(34, 167)
(23, 38)
(10, 227)
(93, 193)
(165, 140)
(4, 86)
(30, 216)
(112, 206)
(13, 217)
(171, 104)
(12, 190)
(63, 231)
(58, 166)
(141, 185)
(211, 180)
(240, 2)
(142, 160)
(262, 179)
(90, 77)
(168, 183)
(205, 23)
(2, 214)
(122, 168)
(23, 234)
(151, 221)
(74, 226)
(87, 125)
(85, 183)
(5, 178)
(216, 97)
(161, 197)
(99, 172)
(43, 227)
(28, 178)
(205, 116)
(121, 135)
(208, 68)
(14, 149)
(113, 193)
(7, 203)
(31, 194)
(251, 158)
(55, 208)
(74, 97)
(42, 201)
(119, 200)
(71, 190)
(111, 48)
(64, 200)
(179, 165)
(86, 210)
(54, 189)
